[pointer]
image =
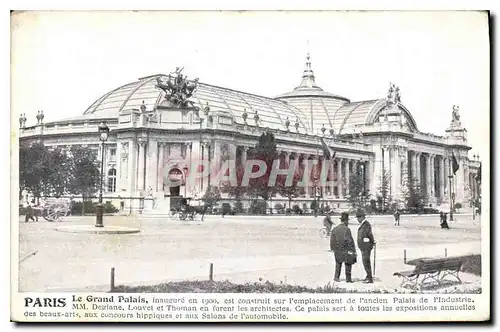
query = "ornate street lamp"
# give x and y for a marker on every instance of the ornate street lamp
(103, 136)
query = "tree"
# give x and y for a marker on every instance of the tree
(43, 170)
(85, 174)
(58, 172)
(32, 168)
(237, 191)
(358, 194)
(212, 196)
(291, 191)
(413, 194)
(384, 197)
(265, 150)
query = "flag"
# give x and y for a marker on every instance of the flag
(455, 165)
(478, 176)
(327, 152)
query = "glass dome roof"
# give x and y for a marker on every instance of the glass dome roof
(272, 113)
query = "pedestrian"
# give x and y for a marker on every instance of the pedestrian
(30, 215)
(342, 244)
(396, 217)
(444, 221)
(327, 223)
(366, 242)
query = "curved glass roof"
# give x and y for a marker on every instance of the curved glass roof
(272, 113)
(308, 105)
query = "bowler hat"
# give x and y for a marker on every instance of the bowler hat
(360, 213)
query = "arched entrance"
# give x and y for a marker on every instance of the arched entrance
(175, 176)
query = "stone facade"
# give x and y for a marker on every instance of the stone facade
(150, 143)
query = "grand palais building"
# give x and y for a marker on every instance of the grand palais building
(152, 128)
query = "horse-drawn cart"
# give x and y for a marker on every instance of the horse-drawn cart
(182, 208)
(53, 209)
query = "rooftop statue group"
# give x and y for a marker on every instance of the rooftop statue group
(178, 89)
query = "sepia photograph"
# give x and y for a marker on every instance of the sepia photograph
(250, 165)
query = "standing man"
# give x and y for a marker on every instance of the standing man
(365, 244)
(342, 244)
(396, 217)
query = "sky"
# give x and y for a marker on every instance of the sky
(61, 62)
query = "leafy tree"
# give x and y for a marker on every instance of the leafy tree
(58, 172)
(358, 194)
(265, 150)
(85, 172)
(289, 191)
(32, 168)
(43, 170)
(383, 197)
(212, 196)
(238, 191)
(413, 194)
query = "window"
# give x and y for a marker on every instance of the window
(112, 154)
(112, 180)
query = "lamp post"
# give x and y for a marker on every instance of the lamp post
(103, 130)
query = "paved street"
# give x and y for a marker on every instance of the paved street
(242, 248)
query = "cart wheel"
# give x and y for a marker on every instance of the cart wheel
(173, 214)
(182, 215)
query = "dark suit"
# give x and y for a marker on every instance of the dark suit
(342, 244)
(365, 244)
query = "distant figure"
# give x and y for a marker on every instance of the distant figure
(30, 215)
(327, 222)
(444, 221)
(396, 218)
(342, 244)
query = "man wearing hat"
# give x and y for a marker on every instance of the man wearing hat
(365, 244)
(342, 244)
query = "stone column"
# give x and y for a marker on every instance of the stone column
(340, 185)
(141, 165)
(332, 176)
(132, 166)
(460, 181)
(442, 179)
(347, 175)
(232, 153)
(396, 174)
(161, 164)
(428, 176)
(413, 166)
(418, 162)
(433, 175)
(118, 166)
(446, 170)
(244, 155)
(151, 168)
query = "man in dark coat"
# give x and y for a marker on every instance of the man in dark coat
(365, 244)
(397, 215)
(444, 221)
(342, 244)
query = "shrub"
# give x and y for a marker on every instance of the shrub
(296, 209)
(458, 206)
(91, 207)
(279, 208)
(257, 207)
(288, 211)
(238, 207)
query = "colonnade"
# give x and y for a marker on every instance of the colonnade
(141, 166)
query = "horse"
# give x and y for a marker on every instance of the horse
(191, 211)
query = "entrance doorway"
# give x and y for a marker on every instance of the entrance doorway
(175, 176)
